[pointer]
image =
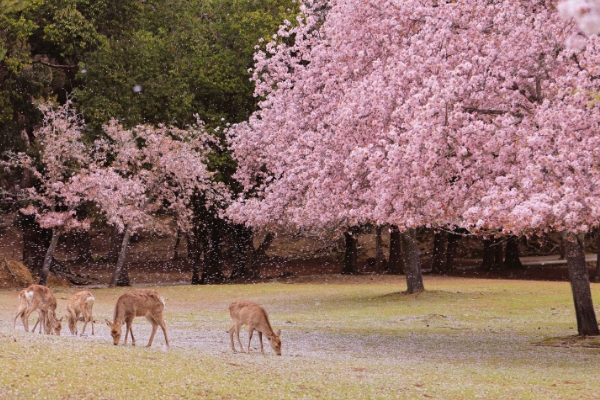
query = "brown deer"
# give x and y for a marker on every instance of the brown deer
(244, 312)
(80, 303)
(41, 299)
(138, 303)
(23, 305)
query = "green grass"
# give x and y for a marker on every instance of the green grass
(347, 337)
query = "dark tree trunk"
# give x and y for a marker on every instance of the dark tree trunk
(83, 247)
(212, 269)
(242, 253)
(195, 246)
(260, 254)
(35, 242)
(351, 255)
(116, 240)
(451, 251)
(561, 249)
(596, 277)
(412, 264)
(120, 276)
(498, 253)
(264, 246)
(48, 258)
(439, 251)
(587, 324)
(512, 259)
(379, 260)
(396, 262)
(176, 247)
(487, 264)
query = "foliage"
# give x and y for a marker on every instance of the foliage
(62, 155)
(471, 114)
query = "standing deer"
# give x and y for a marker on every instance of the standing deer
(138, 303)
(23, 306)
(244, 312)
(80, 303)
(39, 298)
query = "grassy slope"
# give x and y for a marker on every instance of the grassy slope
(351, 337)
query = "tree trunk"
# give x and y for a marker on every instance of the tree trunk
(498, 253)
(120, 276)
(350, 257)
(412, 264)
(587, 325)
(596, 277)
(176, 247)
(195, 246)
(379, 261)
(396, 262)
(35, 242)
(260, 254)
(487, 264)
(451, 251)
(212, 269)
(83, 246)
(512, 259)
(439, 250)
(48, 258)
(561, 249)
(242, 253)
(264, 246)
(116, 239)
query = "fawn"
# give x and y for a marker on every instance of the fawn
(41, 299)
(80, 303)
(138, 303)
(244, 312)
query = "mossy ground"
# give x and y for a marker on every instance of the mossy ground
(343, 337)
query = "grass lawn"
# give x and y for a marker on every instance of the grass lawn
(343, 337)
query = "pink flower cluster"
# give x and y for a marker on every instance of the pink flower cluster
(130, 175)
(423, 113)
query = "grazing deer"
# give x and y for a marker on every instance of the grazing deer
(39, 298)
(244, 312)
(23, 305)
(138, 303)
(80, 303)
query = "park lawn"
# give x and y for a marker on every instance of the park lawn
(343, 337)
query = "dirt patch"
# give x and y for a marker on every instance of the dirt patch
(571, 341)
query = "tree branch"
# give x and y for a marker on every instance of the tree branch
(54, 65)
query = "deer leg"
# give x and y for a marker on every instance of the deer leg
(231, 332)
(91, 318)
(250, 332)
(127, 330)
(163, 326)
(130, 323)
(237, 333)
(262, 350)
(154, 327)
(85, 320)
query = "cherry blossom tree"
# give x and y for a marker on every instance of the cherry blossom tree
(153, 169)
(585, 12)
(62, 155)
(427, 113)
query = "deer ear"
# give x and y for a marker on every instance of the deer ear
(108, 322)
(279, 332)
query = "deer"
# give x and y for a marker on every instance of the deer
(138, 303)
(41, 299)
(23, 305)
(80, 303)
(244, 312)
